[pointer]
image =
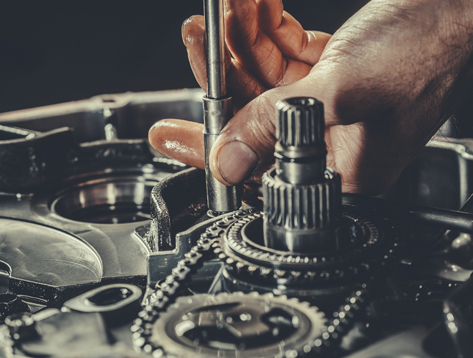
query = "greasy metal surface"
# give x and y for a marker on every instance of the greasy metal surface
(440, 176)
(208, 325)
(28, 163)
(176, 203)
(82, 189)
(114, 170)
(134, 113)
(53, 257)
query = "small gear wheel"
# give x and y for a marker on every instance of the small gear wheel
(364, 251)
(237, 325)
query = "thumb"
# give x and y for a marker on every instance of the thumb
(244, 150)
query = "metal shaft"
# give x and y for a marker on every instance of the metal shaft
(302, 198)
(217, 107)
(215, 50)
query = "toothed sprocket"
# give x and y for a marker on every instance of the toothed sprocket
(238, 325)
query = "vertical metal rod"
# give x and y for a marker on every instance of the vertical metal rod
(215, 50)
(218, 108)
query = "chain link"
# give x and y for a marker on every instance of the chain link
(209, 246)
(167, 291)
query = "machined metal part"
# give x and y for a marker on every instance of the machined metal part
(5, 274)
(72, 198)
(54, 333)
(439, 177)
(172, 213)
(302, 218)
(215, 48)
(302, 202)
(55, 249)
(238, 325)
(300, 149)
(218, 107)
(220, 198)
(117, 303)
(367, 252)
(170, 289)
(10, 304)
(133, 114)
(64, 240)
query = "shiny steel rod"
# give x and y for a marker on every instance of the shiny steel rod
(215, 48)
(218, 107)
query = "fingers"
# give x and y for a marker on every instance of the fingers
(242, 86)
(288, 35)
(193, 30)
(179, 139)
(244, 149)
(193, 36)
(255, 50)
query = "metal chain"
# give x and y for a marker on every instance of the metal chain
(208, 246)
(166, 293)
(342, 321)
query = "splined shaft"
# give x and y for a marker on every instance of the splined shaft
(302, 198)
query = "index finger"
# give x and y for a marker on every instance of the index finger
(289, 35)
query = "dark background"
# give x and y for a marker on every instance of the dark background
(74, 50)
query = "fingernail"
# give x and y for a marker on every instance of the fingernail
(236, 162)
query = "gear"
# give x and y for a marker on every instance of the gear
(302, 197)
(238, 325)
(364, 249)
(282, 199)
(166, 295)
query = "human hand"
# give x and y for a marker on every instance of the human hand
(388, 79)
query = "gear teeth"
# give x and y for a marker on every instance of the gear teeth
(163, 342)
(143, 327)
(299, 122)
(335, 329)
(307, 207)
(251, 262)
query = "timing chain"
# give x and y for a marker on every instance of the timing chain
(342, 321)
(167, 291)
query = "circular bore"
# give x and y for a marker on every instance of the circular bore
(237, 325)
(109, 201)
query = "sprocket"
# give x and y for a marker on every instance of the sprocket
(238, 325)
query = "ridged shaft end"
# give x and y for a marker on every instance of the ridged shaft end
(300, 122)
(302, 198)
